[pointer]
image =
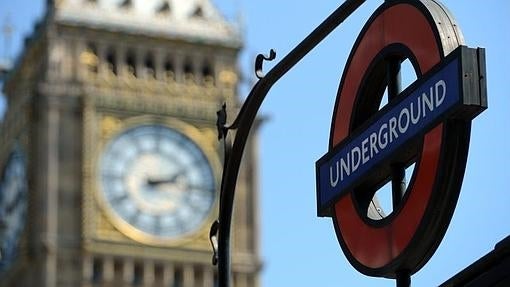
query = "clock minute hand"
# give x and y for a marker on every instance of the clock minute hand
(198, 188)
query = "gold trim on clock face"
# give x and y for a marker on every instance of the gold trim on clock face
(156, 183)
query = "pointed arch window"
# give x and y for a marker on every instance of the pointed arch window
(138, 274)
(169, 69)
(207, 73)
(97, 270)
(188, 71)
(159, 275)
(111, 61)
(131, 63)
(150, 71)
(178, 277)
(117, 270)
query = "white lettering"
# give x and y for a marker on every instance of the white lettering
(355, 158)
(415, 119)
(428, 101)
(403, 128)
(373, 144)
(345, 167)
(383, 144)
(364, 151)
(389, 131)
(333, 182)
(440, 99)
(393, 128)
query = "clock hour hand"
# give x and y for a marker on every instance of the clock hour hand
(153, 182)
(173, 179)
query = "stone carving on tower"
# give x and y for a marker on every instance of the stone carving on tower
(109, 154)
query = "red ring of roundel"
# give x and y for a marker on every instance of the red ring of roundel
(392, 238)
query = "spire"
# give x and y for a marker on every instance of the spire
(7, 30)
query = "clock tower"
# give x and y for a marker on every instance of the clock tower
(109, 157)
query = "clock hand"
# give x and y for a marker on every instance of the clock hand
(173, 179)
(153, 182)
(198, 188)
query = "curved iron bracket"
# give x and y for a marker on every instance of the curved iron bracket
(220, 230)
(259, 61)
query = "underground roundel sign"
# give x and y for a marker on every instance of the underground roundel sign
(427, 124)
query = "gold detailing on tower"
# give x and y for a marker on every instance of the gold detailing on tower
(228, 78)
(109, 126)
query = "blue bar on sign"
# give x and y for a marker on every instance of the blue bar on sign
(354, 158)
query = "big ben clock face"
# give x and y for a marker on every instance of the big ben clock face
(156, 183)
(13, 207)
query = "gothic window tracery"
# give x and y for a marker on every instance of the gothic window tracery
(131, 64)
(188, 71)
(207, 73)
(149, 66)
(169, 69)
(111, 62)
(144, 65)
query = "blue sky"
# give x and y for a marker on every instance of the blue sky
(299, 249)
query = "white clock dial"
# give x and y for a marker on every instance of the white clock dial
(13, 207)
(157, 180)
